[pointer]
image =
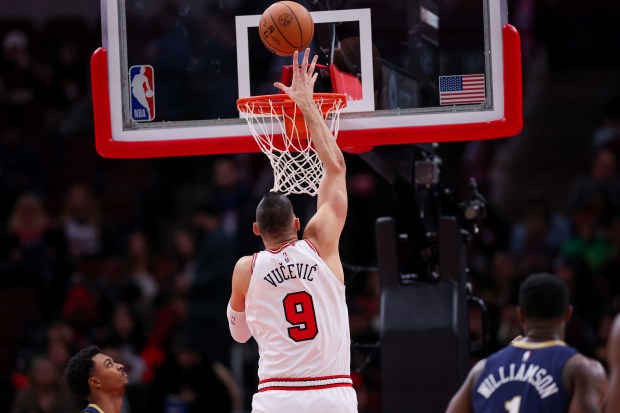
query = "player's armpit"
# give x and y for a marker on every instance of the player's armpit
(587, 381)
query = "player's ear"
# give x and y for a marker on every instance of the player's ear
(255, 229)
(297, 224)
(94, 383)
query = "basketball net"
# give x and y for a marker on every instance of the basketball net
(281, 132)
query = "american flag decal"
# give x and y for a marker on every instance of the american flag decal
(461, 89)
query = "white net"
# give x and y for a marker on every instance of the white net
(282, 134)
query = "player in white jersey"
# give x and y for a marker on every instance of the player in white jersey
(290, 296)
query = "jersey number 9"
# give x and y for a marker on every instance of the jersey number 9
(299, 311)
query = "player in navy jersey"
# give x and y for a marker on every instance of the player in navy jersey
(95, 377)
(537, 373)
(613, 358)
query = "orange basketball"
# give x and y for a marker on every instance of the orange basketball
(285, 27)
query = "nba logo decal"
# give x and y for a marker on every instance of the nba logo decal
(142, 89)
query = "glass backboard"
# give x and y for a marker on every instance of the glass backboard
(413, 70)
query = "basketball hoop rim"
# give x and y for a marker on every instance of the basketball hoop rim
(261, 103)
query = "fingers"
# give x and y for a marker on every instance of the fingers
(295, 62)
(313, 79)
(306, 70)
(313, 64)
(280, 86)
(304, 63)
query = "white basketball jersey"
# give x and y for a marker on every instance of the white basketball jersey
(295, 308)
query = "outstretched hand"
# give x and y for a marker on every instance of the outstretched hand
(304, 77)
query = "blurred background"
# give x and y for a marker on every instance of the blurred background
(136, 255)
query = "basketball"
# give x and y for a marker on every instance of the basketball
(285, 27)
(149, 93)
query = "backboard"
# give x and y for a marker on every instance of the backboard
(169, 73)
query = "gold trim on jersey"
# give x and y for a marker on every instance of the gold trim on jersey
(542, 344)
(93, 405)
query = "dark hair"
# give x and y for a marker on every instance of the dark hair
(543, 296)
(274, 214)
(79, 370)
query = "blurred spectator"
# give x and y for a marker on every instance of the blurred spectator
(45, 393)
(499, 289)
(191, 382)
(61, 331)
(229, 192)
(29, 221)
(608, 133)
(124, 332)
(82, 309)
(23, 244)
(588, 242)
(599, 192)
(34, 251)
(537, 237)
(170, 314)
(509, 327)
(184, 247)
(140, 266)
(19, 85)
(580, 330)
(210, 288)
(61, 343)
(69, 73)
(20, 167)
(59, 353)
(364, 306)
(504, 281)
(83, 225)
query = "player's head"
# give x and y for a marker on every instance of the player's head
(91, 371)
(275, 219)
(544, 298)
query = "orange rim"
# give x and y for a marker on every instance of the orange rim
(262, 104)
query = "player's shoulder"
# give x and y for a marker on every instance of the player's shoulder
(476, 371)
(581, 362)
(244, 265)
(580, 367)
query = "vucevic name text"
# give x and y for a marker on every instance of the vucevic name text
(289, 271)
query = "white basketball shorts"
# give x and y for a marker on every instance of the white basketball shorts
(296, 400)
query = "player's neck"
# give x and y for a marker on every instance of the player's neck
(537, 334)
(277, 244)
(108, 403)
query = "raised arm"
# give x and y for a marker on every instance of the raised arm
(586, 378)
(325, 227)
(613, 358)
